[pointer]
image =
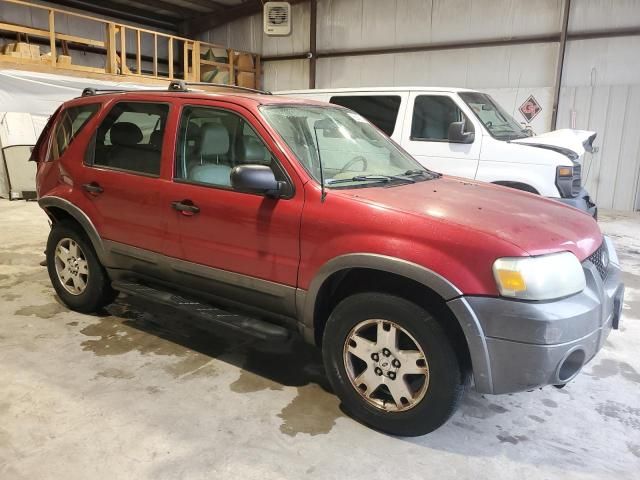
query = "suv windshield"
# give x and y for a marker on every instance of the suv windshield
(497, 121)
(351, 150)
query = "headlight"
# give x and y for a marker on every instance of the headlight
(539, 278)
(564, 181)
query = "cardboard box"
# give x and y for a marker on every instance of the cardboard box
(34, 51)
(246, 79)
(244, 60)
(63, 60)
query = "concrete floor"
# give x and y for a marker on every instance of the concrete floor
(134, 395)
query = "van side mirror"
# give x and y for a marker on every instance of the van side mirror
(457, 134)
(258, 179)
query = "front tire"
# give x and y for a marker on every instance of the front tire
(76, 274)
(392, 364)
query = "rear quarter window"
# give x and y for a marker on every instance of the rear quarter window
(68, 125)
(381, 110)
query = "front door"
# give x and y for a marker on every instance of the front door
(237, 246)
(425, 135)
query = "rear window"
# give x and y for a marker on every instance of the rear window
(130, 137)
(381, 110)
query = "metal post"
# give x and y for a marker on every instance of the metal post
(563, 44)
(313, 20)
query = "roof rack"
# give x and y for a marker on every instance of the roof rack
(88, 92)
(182, 86)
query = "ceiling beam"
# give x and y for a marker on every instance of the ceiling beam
(155, 5)
(207, 4)
(115, 10)
(206, 22)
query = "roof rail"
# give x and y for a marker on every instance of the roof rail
(182, 86)
(88, 92)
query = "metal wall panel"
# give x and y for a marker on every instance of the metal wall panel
(286, 75)
(601, 92)
(604, 14)
(353, 24)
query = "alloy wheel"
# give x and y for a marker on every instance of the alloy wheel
(386, 365)
(71, 266)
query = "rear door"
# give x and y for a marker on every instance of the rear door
(425, 135)
(238, 246)
(122, 176)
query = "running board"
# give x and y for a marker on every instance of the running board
(208, 314)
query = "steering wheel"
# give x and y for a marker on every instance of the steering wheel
(353, 161)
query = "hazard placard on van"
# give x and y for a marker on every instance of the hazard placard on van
(530, 108)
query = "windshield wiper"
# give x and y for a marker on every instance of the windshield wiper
(424, 173)
(374, 178)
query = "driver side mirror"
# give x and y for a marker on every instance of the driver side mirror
(257, 179)
(457, 134)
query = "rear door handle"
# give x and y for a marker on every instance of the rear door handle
(93, 187)
(186, 207)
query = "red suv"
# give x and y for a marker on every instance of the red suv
(270, 215)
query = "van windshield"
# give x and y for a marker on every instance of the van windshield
(496, 120)
(351, 151)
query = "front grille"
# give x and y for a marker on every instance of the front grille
(597, 259)
(576, 184)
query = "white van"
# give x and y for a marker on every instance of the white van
(466, 133)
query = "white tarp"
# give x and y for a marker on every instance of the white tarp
(27, 99)
(41, 93)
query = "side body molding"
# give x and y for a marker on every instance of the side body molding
(82, 219)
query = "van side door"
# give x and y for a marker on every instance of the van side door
(427, 138)
(384, 109)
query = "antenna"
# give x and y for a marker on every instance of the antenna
(323, 192)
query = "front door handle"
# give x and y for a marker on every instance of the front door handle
(186, 207)
(93, 187)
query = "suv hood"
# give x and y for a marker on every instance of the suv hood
(576, 141)
(534, 224)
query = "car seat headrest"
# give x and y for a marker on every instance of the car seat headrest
(125, 133)
(214, 140)
(253, 151)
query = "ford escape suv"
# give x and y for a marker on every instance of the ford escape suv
(270, 215)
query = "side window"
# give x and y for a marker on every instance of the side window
(211, 142)
(432, 115)
(381, 110)
(130, 137)
(68, 126)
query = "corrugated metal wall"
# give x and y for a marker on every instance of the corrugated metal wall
(601, 80)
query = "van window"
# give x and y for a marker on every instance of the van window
(381, 110)
(68, 126)
(130, 137)
(432, 115)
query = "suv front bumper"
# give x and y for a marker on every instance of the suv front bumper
(521, 345)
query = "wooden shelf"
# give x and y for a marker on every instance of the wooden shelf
(182, 52)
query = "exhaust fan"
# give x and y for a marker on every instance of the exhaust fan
(277, 18)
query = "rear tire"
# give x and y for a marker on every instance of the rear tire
(404, 377)
(76, 274)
